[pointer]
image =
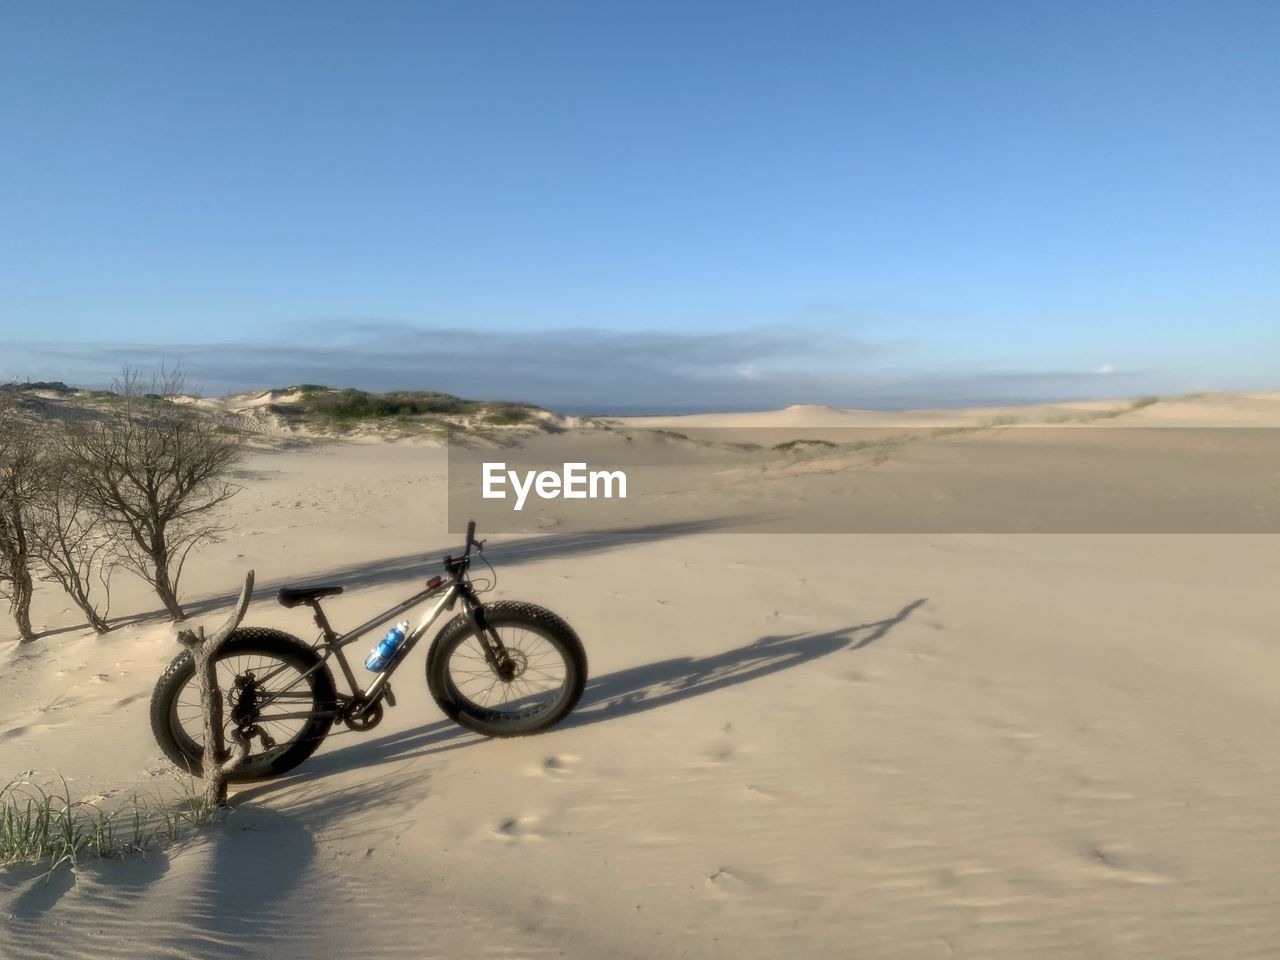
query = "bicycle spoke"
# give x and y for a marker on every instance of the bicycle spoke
(276, 681)
(540, 674)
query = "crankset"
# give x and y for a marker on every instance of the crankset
(360, 715)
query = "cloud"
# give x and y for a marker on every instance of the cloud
(1105, 369)
(572, 368)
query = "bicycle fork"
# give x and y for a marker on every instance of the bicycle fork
(495, 653)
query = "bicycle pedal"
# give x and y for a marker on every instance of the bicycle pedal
(388, 696)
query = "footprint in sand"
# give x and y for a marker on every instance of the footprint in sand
(719, 753)
(777, 615)
(731, 883)
(722, 750)
(558, 766)
(518, 829)
(1118, 863)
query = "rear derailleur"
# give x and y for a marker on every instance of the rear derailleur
(243, 699)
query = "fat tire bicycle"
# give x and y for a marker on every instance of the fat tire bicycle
(502, 669)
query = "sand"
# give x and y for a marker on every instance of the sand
(909, 745)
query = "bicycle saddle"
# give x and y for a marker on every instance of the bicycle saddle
(292, 596)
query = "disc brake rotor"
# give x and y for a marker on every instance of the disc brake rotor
(513, 667)
(519, 663)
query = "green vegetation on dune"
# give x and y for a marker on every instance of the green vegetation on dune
(1089, 416)
(324, 410)
(343, 407)
(508, 414)
(801, 443)
(358, 405)
(51, 386)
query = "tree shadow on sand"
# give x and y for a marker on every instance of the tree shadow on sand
(225, 896)
(627, 692)
(422, 564)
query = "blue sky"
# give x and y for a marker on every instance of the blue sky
(646, 204)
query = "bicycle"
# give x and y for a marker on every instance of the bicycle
(280, 694)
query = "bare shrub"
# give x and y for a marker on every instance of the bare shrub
(154, 470)
(20, 468)
(74, 546)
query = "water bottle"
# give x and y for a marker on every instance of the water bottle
(381, 655)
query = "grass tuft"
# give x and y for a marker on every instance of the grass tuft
(802, 443)
(37, 826)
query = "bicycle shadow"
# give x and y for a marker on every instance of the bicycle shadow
(628, 692)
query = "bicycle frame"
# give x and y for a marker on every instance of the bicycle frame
(458, 585)
(332, 642)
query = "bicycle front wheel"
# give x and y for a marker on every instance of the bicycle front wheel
(548, 676)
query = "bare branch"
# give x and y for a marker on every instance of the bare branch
(216, 763)
(237, 615)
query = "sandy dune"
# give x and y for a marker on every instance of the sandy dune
(911, 745)
(1256, 409)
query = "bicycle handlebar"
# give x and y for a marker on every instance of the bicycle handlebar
(458, 567)
(449, 562)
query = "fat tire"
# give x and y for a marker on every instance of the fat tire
(246, 640)
(506, 613)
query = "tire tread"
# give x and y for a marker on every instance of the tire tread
(498, 613)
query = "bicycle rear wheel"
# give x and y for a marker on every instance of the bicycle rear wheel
(549, 677)
(280, 666)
